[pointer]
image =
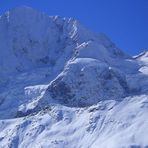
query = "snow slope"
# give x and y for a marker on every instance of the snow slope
(64, 86)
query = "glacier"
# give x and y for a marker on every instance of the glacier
(63, 86)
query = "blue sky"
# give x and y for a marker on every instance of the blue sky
(124, 21)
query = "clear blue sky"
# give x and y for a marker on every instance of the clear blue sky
(124, 21)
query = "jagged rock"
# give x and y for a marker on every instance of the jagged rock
(87, 81)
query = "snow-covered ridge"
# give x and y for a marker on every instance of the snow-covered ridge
(31, 39)
(62, 84)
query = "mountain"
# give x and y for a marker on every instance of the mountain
(64, 86)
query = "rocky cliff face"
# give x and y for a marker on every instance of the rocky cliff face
(62, 84)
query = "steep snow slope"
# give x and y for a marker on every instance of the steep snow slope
(63, 86)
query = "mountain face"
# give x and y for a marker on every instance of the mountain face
(63, 86)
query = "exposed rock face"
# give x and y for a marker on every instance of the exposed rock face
(85, 82)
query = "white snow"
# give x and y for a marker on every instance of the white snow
(63, 86)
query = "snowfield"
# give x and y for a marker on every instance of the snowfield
(63, 86)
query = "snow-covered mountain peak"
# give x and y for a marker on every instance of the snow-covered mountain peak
(62, 84)
(32, 39)
(22, 9)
